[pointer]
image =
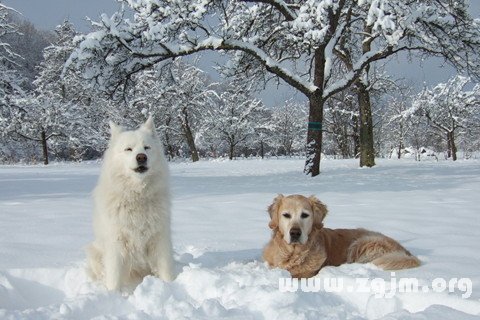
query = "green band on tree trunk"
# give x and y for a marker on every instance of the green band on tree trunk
(314, 126)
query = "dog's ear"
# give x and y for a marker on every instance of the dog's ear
(114, 129)
(149, 126)
(319, 211)
(273, 212)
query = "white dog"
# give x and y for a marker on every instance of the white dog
(131, 211)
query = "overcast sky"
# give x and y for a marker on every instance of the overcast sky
(46, 14)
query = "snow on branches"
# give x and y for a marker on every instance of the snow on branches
(281, 40)
(449, 109)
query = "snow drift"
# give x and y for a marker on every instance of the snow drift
(219, 230)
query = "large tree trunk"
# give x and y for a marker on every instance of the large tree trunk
(314, 136)
(187, 132)
(367, 151)
(44, 147)
(315, 117)
(262, 150)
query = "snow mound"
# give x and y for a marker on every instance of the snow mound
(229, 290)
(219, 227)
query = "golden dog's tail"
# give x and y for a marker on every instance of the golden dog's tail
(396, 261)
(382, 251)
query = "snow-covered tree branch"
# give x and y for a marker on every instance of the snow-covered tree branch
(294, 41)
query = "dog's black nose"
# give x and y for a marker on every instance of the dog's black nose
(141, 158)
(295, 234)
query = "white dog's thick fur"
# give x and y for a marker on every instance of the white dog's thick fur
(131, 211)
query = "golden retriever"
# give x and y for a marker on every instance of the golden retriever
(301, 245)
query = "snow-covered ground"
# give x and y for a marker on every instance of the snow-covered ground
(219, 230)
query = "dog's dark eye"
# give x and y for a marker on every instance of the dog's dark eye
(128, 149)
(304, 215)
(287, 215)
(146, 147)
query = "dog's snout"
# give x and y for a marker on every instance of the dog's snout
(141, 158)
(295, 234)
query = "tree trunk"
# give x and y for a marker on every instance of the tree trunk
(169, 147)
(314, 136)
(44, 147)
(187, 131)
(315, 117)
(400, 142)
(342, 145)
(191, 144)
(449, 145)
(452, 148)
(449, 148)
(367, 151)
(214, 152)
(262, 151)
(288, 149)
(232, 150)
(356, 138)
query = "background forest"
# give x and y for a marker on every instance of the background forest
(56, 96)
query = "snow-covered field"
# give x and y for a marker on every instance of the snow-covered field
(219, 229)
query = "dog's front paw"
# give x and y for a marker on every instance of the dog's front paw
(112, 284)
(112, 287)
(165, 275)
(168, 276)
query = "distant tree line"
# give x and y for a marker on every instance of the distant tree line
(49, 111)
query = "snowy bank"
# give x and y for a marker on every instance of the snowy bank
(219, 230)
